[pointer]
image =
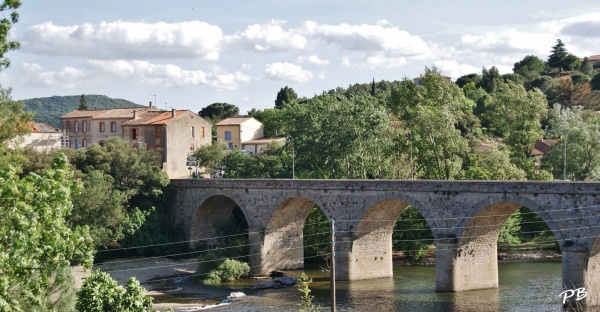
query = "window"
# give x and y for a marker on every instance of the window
(193, 132)
(230, 146)
(202, 130)
(75, 145)
(113, 127)
(158, 132)
(76, 126)
(68, 126)
(227, 135)
(134, 134)
(84, 126)
(102, 126)
(84, 143)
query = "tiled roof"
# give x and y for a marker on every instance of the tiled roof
(541, 147)
(264, 140)
(233, 121)
(41, 127)
(155, 118)
(84, 113)
(121, 112)
(594, 58)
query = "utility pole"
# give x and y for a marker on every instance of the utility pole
(565, 158)
(333, 265)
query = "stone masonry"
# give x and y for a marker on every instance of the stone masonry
(465, 218)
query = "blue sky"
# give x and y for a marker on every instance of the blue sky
(194, 53)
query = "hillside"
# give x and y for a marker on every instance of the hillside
(49, 109)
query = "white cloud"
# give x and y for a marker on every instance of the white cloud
(287, 72)
(505, 42)
(126, 40)
(455, 69)
(369, 38)
(67, 77)
(267, 38)
(169, 75)
(313, 59)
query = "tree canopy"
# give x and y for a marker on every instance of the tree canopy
(286, 95)
(219, 111)
(5, 25)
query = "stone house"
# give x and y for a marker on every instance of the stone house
(173, 134)
(235, 131)
(42, 138)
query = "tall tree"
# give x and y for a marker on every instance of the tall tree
(581, 135)
(83, 105)
(557, 55)
(529, 67)
(431, 112)
(5, 25)
(13, 120)
(490, 79)
(285, 95)
(36, 241)
(219, 111)
(595, 82)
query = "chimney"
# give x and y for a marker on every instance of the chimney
(134, 114)
(173, 113)
(150, 105)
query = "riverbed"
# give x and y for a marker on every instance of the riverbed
(524, 286)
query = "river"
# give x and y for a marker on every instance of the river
(524, 286)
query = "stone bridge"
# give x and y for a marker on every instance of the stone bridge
(464, 216)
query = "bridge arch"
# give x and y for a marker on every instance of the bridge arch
(212, 207)
(371, 252)
(477, 239)
(283, 246)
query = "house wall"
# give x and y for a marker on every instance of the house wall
(179, 140)
(42, 141)
(235, 135)
(251, 129)
(98, 136)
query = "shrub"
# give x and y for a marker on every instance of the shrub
(100, 292)
(214, 269)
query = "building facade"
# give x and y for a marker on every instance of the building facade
(235, 131)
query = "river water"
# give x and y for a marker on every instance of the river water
(524, 286)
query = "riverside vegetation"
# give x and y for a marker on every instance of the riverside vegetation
(481, 127)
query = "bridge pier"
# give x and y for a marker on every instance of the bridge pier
(372, 258)
(461, 268)
(579, 270)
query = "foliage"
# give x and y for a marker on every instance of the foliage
(340, 136)
(306, 298)
(233, 241)
(104, 210)
(581, 134)
(532, 225)
(272, 119)
(595, 82)
(516, 114)
(13, 120)
(490, 79)
(580, 78)
(210, 157)
(493, 164)
(214, 269)
(466, 79)
(34, 212)
(317, 235)
(529, 67)
(558, 55)
(99, 292)
(412, 234)
(83, 105)
(219, 111)
(431, 112)
(510, 229)
(5, 25)
(285, 96)
(49, 109)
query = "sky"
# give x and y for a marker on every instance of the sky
(188, 54)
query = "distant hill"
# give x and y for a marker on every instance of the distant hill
(49, 109)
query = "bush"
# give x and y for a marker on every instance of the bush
(214, 269)
(100, 292)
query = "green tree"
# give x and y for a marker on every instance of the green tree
(219, 111)
(493, 164)
(412, 234)
(431, 113)
(210, 157)
(273, 121)
(515, 115)
(586, 67)
(35, 209)
(491, 79)
(466, 79)
(529, 67)
(595, 82)
(13, 120)
(83, 105)
(581, 134)
(510, 229)
(99, 292)
(5, 25)
(285, 96)
(558, 55)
